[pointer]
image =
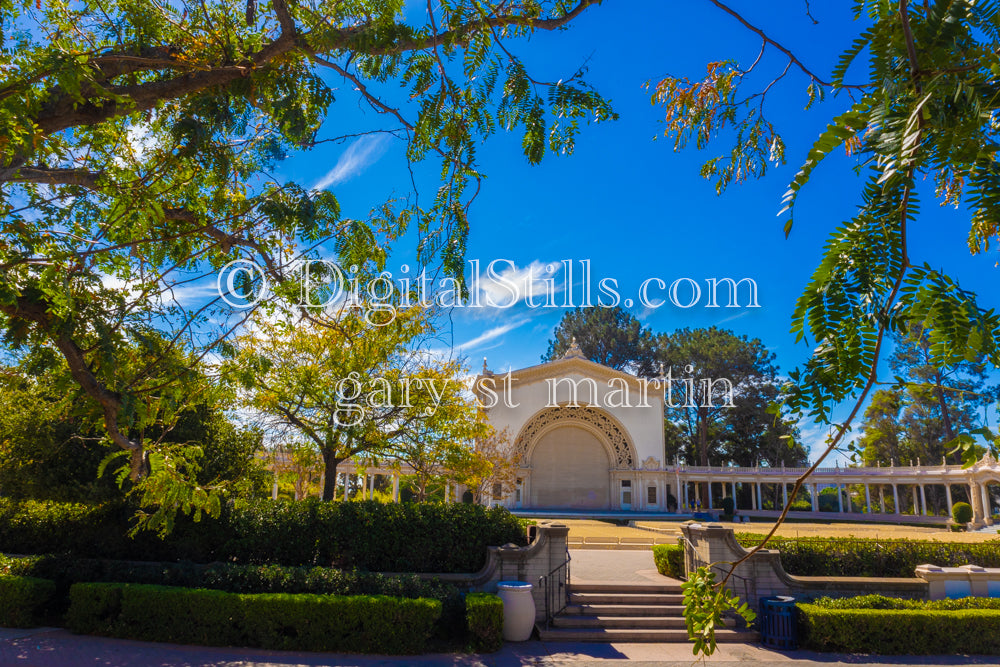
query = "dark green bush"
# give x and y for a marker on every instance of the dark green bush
(669, 559)
(801, 506)
(484, 616)
(25, 601)
(728, 506)
(961, 513)
(899, 631)
(883, 602)
(363, 624)
(857, 557)
(234, 578)
(416, 537)
(94, 608)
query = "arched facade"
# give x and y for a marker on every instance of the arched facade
(583, 435)
(567, 457)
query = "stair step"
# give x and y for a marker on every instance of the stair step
(626, 598)
(632, 610)
(607, 622)
(666, 588)
(637, 635)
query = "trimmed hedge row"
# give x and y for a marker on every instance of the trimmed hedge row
(356, 624)
(234, 578)
(857, 557)
(484, 617)
(899, 631)
(408, 537)
(883, 602)
(669, 559)
(25, 601)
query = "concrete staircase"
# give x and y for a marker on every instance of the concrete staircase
(627, 613)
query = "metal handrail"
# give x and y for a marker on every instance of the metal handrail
(556, 592)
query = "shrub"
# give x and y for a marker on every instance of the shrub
(801, 506)
(364, 624)
(883, 602)
(899, 631)
(855, 557)
(25, 601)
(235, 578)
(669, 559)
(484, 617)
(728, 506)
(94, 608)
(961, 513)
(419, 537)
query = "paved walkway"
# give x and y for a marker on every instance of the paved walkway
(47, 647)
(591, 566)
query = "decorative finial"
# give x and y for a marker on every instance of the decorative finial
(661, 371)
(574, 350)
(486, 371)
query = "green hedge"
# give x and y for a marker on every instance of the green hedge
(235, 578)
(883, 602)
(899, 631)
(669, 559)
(857, 557)
(484, 617)
(25, 601)
(359, 624)
(409, 537)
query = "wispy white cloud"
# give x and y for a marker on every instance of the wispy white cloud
(491, 334)
(361, 154)
(508, 284)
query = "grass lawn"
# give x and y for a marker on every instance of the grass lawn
(583, 528)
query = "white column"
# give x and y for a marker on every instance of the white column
(923, 500)
(274, 487)
(895, 499)
(710, 505)
(840, 500)
(447, 492)
(987, 510)
(346, 479)
(760, 500)
(881, 498)
(868, 500)
(395, 488)
(734, 497)
(916, 505)
(784, 493)
(815, 497)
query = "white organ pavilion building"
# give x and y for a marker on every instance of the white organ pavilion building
(589, 438)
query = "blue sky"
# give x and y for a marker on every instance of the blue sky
(631, 205)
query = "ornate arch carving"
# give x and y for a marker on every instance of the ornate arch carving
(623, 453)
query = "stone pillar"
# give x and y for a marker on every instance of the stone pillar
(274, 487)
(734, 497)
(346, 479)
(760, 499)
(895, 499)
(814, 496)
(947, 496)
(395, 488)
(868, 500)
(923, 499)
(840, 499)
(784, 494)
(881, 498)
(709, 487)
(916, 505)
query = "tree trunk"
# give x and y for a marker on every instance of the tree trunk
(330, 463)
(949, 434)
(703, 451)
